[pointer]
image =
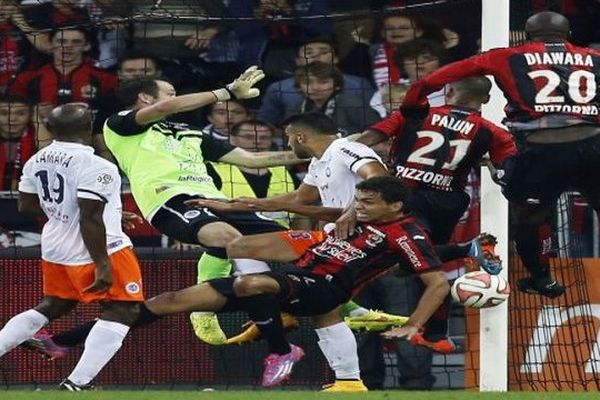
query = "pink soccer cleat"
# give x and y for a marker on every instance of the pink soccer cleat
(278, 367)
(42, 343)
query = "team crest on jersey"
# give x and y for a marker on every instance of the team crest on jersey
(191, 214)
(132, 288)
(88, 91)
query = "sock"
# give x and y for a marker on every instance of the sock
(211, 267)
(449, 252)
(351, 309)
(264, 310)
(533, 243)
(20, 328)
(74, 336)
(245, 266)
(338, 345)
(436, 328)
(104, 340)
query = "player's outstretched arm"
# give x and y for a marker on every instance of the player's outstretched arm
(241, 88)
(262, 159)
(436, 290)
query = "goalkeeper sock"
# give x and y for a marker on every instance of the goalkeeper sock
(338, 345)
(104, 340)
(211, 267)
(20, 328)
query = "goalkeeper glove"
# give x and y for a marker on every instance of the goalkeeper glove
(242, 87)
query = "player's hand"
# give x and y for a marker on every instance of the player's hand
(261, 204)
(219, 205)
(243, 86)
(345, 224)
(103, 280)
(130, 219)
(402, 332)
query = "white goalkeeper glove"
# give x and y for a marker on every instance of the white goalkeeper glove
(242, 87)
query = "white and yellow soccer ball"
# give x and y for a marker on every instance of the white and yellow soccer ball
(478, 289)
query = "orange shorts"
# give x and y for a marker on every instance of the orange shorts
(69, 281)
(300, 241)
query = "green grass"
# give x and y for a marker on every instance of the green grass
(285, 395)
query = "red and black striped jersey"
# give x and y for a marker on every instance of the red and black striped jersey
(48, 85)
(370, 252)
(438, 151)
(547, 84)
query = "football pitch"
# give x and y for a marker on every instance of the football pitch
(285, 395)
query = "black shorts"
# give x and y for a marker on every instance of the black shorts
(306, 294)
(438, 211)
(540, 173)
(182, 222)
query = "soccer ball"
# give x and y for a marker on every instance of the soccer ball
(478, 289)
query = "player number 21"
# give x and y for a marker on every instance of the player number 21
(54, 194)
(545, 95)
(422, 155)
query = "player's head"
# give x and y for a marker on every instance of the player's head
(547, 25)
(71, 122)
(306, 130)
(471, 92)
(380, 199)
(144, 91)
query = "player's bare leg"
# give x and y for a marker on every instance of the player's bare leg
(260, 247)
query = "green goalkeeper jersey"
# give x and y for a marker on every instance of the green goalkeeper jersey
(162, 159)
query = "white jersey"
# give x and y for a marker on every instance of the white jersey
(60, 174)
(336, 173)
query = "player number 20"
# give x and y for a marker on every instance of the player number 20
(544, 96)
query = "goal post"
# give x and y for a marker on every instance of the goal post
(493, 333)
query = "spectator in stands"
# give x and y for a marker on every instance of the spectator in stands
(390, 98)
(282, 94)
(271, 45)
(234, 181)
(321, 85)
(17, 140)
(398, 30)
(70, 77)
(133, 65)
(18, 42)
(416, 59)
(223, 115)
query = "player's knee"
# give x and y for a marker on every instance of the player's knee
(236, 248)
(250, 285)
(124, 312)
(53, 308)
